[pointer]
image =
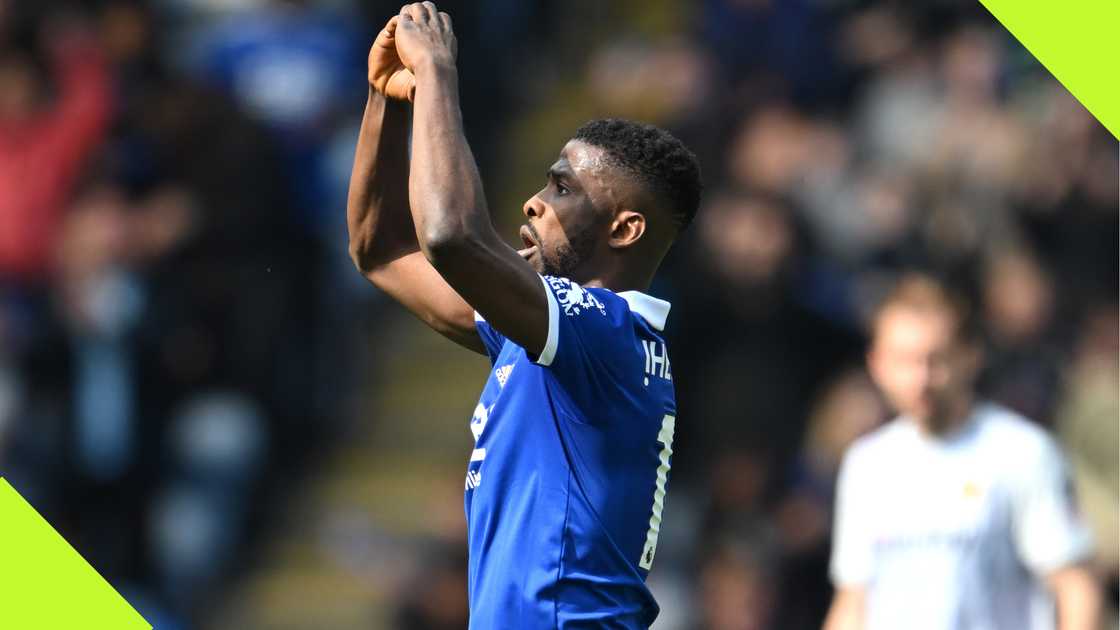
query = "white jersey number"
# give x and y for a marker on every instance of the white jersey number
(665, 436)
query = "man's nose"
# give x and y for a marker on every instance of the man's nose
(939, 376)
(533, 208)
(922, 375)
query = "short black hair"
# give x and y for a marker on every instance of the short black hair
(658, 159)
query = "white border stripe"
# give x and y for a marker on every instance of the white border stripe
(549, 351)
(477, 455)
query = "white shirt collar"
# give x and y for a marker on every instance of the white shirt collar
(651, 309)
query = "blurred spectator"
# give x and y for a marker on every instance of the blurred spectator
(847, 408)
(1022, 364)
(1087, 425)
(436, 596)
(739, 379)
(736, 585)
(785, 41)
(959, 512)
(292, 64)
(124, 291)
(216, 451)
(45, 141)
(667, 81)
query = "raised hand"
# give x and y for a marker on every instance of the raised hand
(387, 74)
(424, 36)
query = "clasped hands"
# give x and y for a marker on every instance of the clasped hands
(417, 39)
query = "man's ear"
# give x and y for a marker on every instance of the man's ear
(627, 227)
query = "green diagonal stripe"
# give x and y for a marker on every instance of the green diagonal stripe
(1079, 43)
(45, 584)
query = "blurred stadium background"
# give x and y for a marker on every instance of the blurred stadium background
(203, 396)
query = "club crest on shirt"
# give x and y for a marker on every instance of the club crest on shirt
(573, 298)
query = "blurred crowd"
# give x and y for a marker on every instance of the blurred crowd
(177, 309)
(168, 185)
(906, 138)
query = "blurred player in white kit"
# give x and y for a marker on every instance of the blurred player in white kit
(959, 514)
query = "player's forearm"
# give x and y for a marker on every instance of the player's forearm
(1078, 598)
(377, 205)
(445, 191)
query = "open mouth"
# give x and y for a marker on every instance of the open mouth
(527, 236)
(531, 245)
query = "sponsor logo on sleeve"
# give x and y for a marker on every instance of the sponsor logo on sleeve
(502, 374)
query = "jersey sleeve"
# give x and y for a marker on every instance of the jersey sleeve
(491, 338)
(589, 339)
(1048, 531)
(853, 549)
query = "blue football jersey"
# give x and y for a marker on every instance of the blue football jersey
(566, 484)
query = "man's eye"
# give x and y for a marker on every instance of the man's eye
(561, 189)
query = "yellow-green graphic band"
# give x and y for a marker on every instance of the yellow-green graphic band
(1077, 41)
(45, 584)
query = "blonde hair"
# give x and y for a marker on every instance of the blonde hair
(921, 293)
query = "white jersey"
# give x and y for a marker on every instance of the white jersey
(955, 533)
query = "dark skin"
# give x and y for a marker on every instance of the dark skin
(442, 259)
